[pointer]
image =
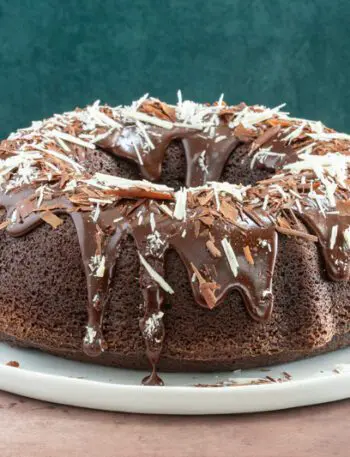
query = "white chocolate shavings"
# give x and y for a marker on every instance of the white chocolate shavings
(13, 217)
(198, 116)
(306, 149)
(298, 205)
(346, 235)
(152, 222)
(96, 299)
(122, 183)
(192, 114)
(101, 136)
(95, 214)
(329, 136)
(220, 101)
(148, 145)
(40, 190)
(333, 238)
(330, 188)
(333, 162)
(237, 191)
(53, 168)
(316, 127)
(88, 137)
(72, 139)
(341, 368)
(138, 116)
(97, 265)
(179, 97)
(319, 202)
(135, 105)
(90, 335)
(266, 293)
(330, 169)
(21, 133)
(137, 152)
(102, 201)
(166, 210)
(220, 138)
(77, 167)
(202, 163)
(278, 189)
(216, 196)
(23, 161)
(25, 174)
(155, 245)
(230, 255)
(266, 200)
(70, 186)
(152, 324)
(250, 116)
(294, 134)
(101, 117)
(155, 276)
(181, 204)
(264, 244)
(48, 137)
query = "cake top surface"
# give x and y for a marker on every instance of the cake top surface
(311, 159)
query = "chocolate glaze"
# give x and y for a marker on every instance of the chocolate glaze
(254, 282)
(94, 239)
(103, 236)
(122, 144)
(337, 256)
(284, 154)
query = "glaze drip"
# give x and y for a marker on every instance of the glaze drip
(330, 228)
(205, 158)
(254, 282)
(99, 244)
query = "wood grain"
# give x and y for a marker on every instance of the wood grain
(32, 428)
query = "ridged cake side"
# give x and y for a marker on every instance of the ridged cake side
(43, 303)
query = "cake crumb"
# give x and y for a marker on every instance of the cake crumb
(13, 363)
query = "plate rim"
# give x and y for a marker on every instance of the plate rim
(173, 399)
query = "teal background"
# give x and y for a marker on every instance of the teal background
(55, 55)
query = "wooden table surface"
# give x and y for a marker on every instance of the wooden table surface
(30, 428)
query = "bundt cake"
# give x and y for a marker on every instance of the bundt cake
(177, 237)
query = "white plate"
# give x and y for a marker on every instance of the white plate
(317, 380)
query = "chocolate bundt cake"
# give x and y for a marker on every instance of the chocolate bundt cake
(176, 237)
